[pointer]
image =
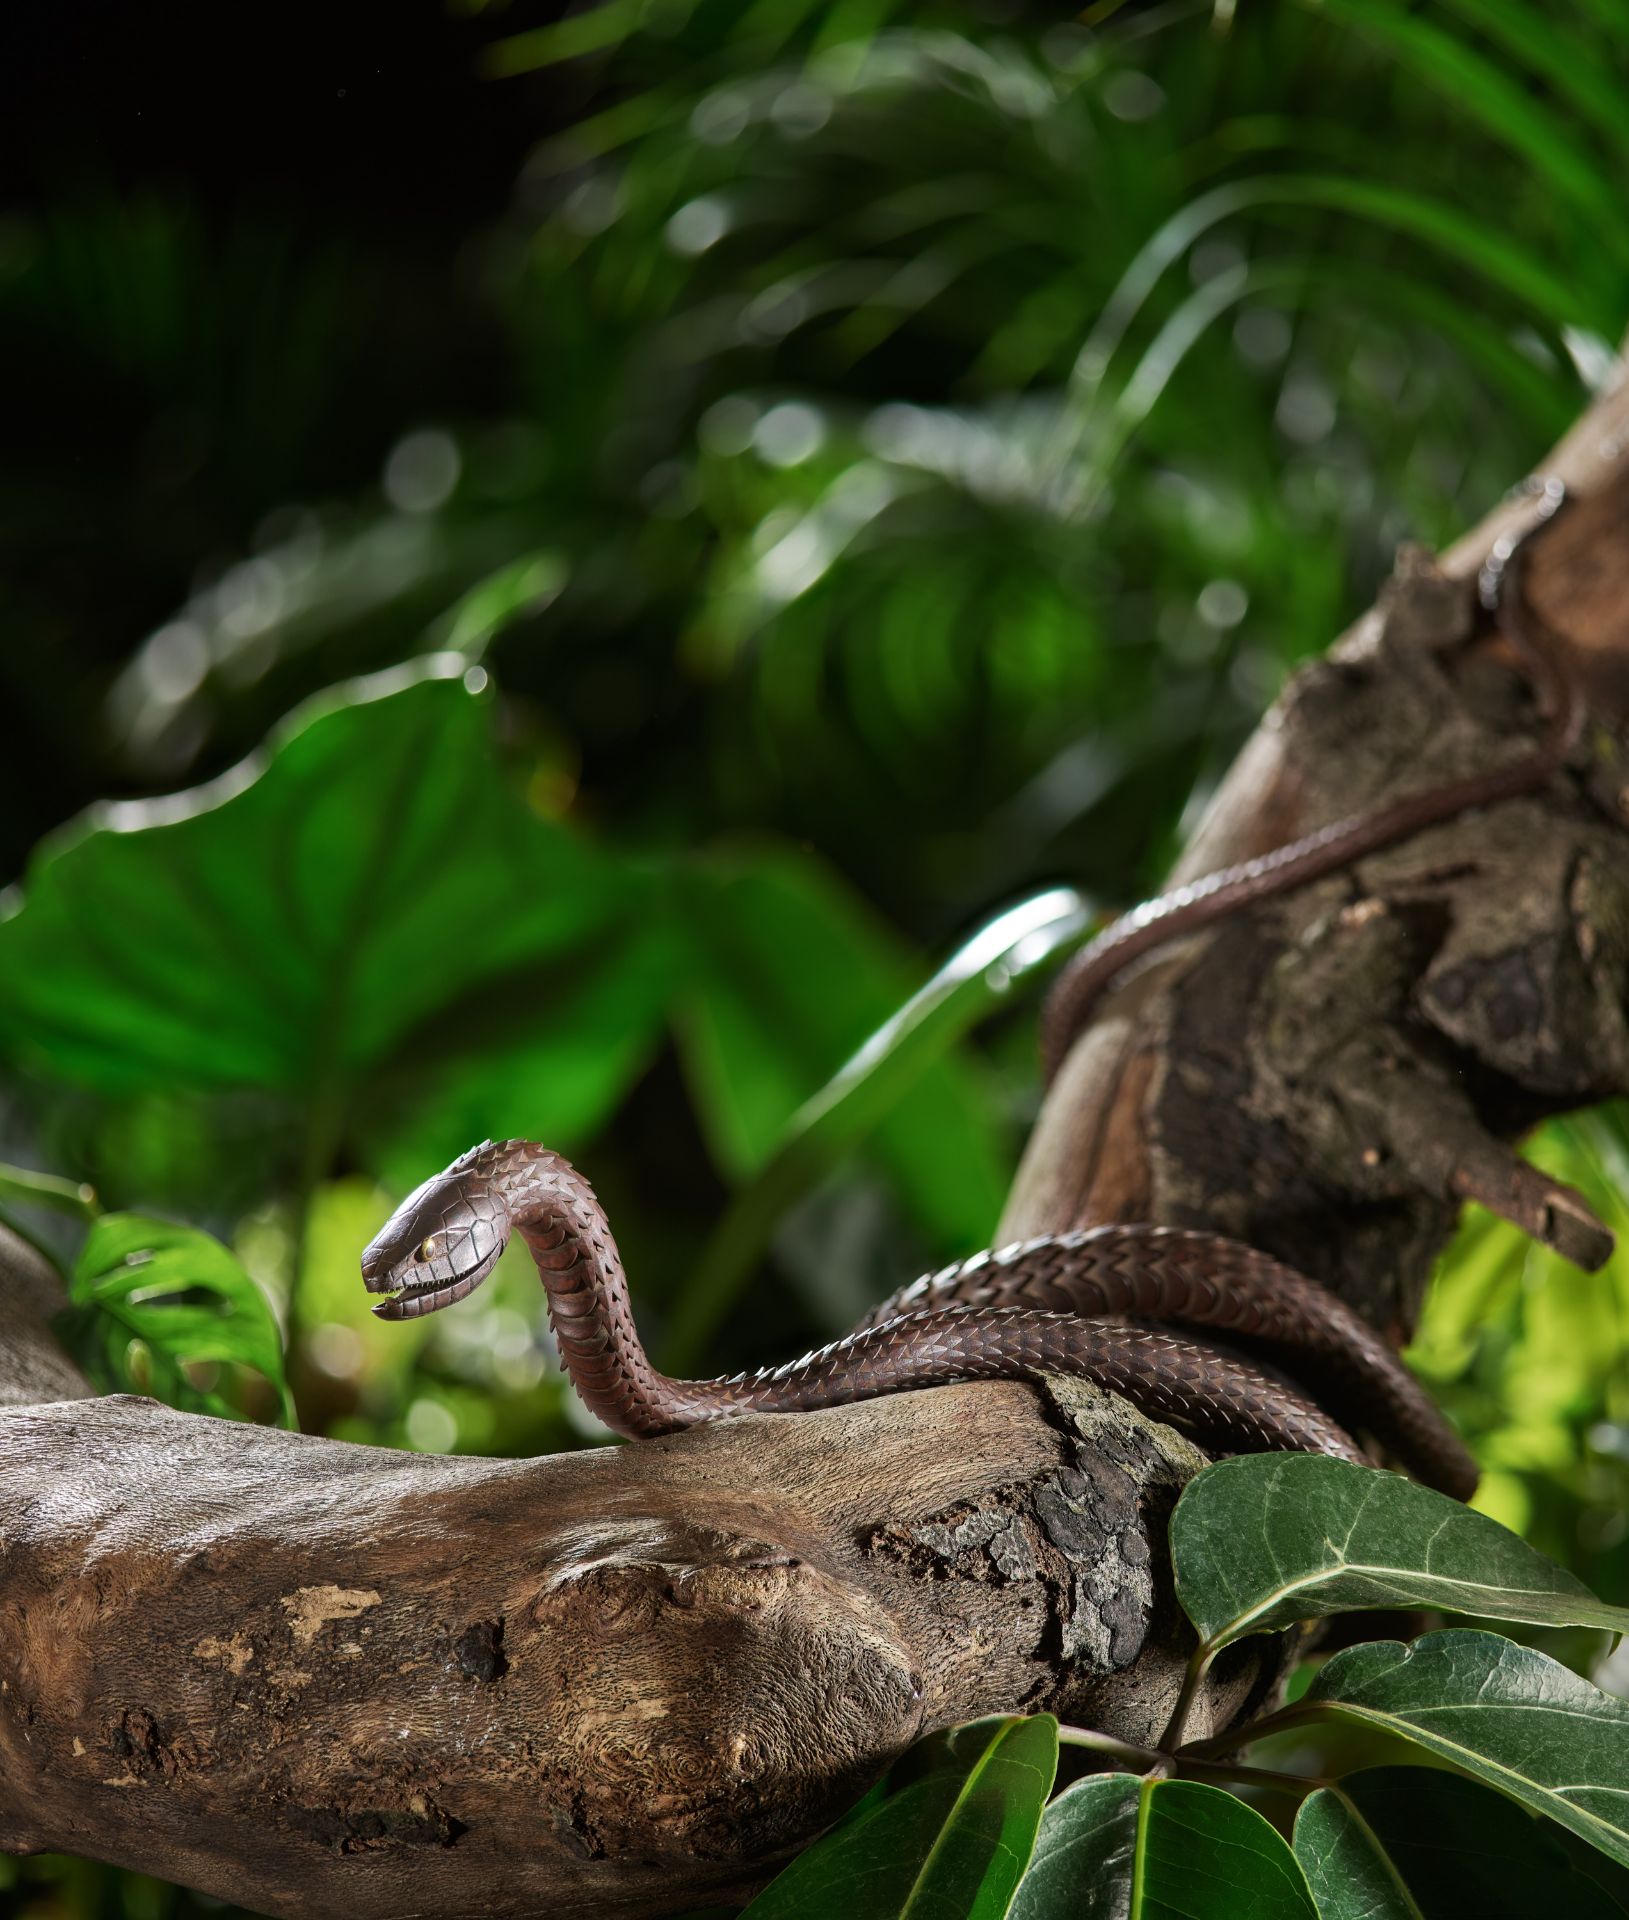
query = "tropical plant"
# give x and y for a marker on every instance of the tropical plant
(922, 443)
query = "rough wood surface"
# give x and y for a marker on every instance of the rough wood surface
(329, 1680)
(32, 1366)
(1328, 1075)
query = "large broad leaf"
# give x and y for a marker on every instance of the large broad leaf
(1115, 1848)
(1264, 1540)
(183, 1296)
(368, 921)
(285, 925)
(1508, 1715)
(547, 1053)
(792, 979)
(1408, 1843)
(369, 889)
(953, 1843)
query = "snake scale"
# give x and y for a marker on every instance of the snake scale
(1073, 1302)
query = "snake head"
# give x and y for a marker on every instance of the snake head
(439, 1244)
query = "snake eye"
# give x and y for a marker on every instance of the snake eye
(429, 1247)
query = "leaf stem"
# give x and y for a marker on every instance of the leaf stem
(1198, 1666)
(1153, 1761)
(1138, 1759)
(50, 1190)
(1299, 1784)
(1285, 1718)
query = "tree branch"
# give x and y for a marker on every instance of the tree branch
(32, 1366)
(1378, 1040)
(325, 1679)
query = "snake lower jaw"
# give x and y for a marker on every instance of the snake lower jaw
(410, 1302)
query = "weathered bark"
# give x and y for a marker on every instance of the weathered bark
(32, 1366)
(325, 1679)
(335, 1679)
(332, 1679)
(1329, 1075)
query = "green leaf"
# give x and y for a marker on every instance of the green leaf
(870, 1084)
(25, 1187)
(1504, 103)
(952, 1844)
(288, 923)
(1526, 276)
(369, 890)
(1264, 1540)
(132, 1276)
(1594, 89)
(546, 1056)
(1116, 1848)
(1508, 1715)
(1409, 1843)
(1085, 1861)
(792, 976)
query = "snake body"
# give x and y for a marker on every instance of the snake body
(1185, 909)
(1142, 1272)
(1022, 1311)
(1065, 1303)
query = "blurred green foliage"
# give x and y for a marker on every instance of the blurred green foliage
(917, 441)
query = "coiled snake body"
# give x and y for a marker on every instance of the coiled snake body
(1021, 1311)
(1036, 1307)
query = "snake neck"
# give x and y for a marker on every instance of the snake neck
(555, 1211)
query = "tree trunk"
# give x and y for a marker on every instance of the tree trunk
(332, 1680)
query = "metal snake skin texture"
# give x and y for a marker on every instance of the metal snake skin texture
(1095, 968)
(444, 1240)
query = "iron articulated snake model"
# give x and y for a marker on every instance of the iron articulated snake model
(1066, 1303)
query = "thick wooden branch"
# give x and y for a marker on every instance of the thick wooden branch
(1330, 1075)
(324, 1679)
(32, 1366)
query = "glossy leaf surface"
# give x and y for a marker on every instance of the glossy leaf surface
(1263, 1540)
(288, 924)
(183, 1296)
(1508, 1715)
(1118, 1848)
(1406, 1843)
(951, 1846)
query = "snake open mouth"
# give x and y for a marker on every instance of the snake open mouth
(411, 1301)
(427, 1292)
(436, 1248)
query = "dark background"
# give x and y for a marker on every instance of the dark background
(309, 131)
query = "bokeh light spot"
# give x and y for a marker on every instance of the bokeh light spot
(422, 471)
(337, 1350)
(698, 225)
(1223, 603)
(1261, 336)
(721, 117)
(1132, 96)
(173, 662)
(789, 434)
(727, 427)
(431, 1427)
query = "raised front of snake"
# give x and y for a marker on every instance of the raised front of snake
(1023, 1311)
(1068, 1303)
